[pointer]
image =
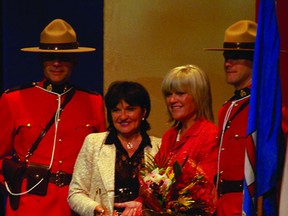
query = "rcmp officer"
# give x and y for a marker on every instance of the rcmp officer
(239, 41)
(26, 111)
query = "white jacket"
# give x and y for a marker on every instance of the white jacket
(93, 177)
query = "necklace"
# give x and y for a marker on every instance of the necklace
(130, 145)
(131, 142)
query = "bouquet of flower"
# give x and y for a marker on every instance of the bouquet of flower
(176, 189)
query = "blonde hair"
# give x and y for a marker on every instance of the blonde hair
(194, 81)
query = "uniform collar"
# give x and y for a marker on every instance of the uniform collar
(56, 88)
(241, 93)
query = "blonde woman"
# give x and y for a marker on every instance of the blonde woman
(186, 90)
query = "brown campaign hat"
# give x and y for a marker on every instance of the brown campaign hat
(239, 36)
(58, 37)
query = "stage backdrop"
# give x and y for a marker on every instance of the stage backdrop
(282, 7)
(22, 23)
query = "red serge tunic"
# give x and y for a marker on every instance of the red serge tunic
(23, 114)
(233, 141)
(199, 143)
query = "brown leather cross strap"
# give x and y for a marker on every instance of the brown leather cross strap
(68, 97)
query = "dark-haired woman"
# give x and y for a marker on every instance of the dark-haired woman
(106, 172)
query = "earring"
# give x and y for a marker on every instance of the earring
(143, 118)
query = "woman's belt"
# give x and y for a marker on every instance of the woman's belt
(230, 186)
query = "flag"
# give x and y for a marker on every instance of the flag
(265, 108)
(249, 207)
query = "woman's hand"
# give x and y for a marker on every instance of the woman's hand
(132, 208)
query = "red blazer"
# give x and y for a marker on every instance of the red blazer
(199, 143)
(23, 115)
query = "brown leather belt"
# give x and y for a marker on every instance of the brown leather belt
(230, 186)
(60, 178)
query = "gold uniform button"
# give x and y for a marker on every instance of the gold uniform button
(60, 162)
(28, 125)
(236, 136)
(222, 149)
(235, 104)
(60, 140)
(87, 125)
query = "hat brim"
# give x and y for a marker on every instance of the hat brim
(227, 49)
(78, 50)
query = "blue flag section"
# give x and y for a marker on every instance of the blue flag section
(265, 108)
(248, 204)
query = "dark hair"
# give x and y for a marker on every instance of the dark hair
(132, 93)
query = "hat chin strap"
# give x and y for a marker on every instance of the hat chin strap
(59, 46)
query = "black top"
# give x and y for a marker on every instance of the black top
(127, 168)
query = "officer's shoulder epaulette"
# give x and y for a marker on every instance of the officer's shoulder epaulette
(21, 87)
(86, 90)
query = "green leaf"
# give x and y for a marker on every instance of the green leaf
(177, 169)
